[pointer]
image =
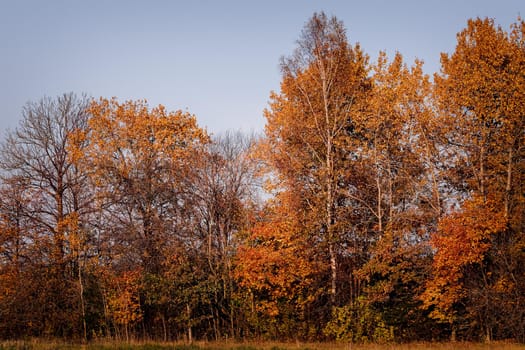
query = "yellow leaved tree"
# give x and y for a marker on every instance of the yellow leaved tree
(478, 269)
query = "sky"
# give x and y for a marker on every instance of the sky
(216, 59)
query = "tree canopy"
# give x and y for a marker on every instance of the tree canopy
(379, 205)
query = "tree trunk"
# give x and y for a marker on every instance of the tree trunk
(333, 268)
(330, 224)
(164, 330)
(82, 302)
(508, 186)
(188, 311)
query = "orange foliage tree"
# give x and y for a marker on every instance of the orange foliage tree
(462, 240)
(277, 268)
(122, 301)
(399, 196)
(480, 97)
(310, 126)
(138, 159)
(139, 162)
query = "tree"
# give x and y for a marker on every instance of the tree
(138, 158)
(38, 152)
(399, 195)
(37, 167)
(480, 97)
(310, 125)
(16, 254)
(276, 268)
(224, 184)
(463, 239)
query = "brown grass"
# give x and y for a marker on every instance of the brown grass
(57, 345)
(340, 346)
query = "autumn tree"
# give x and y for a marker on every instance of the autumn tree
(481, 99)
(277, 270)
(354, 144)
(121, 295)
(463, 240)
(197, 286)
(50, 193)
(398, 197)
(310, 128)
(16, 254)
(139, 159)
(225, 186)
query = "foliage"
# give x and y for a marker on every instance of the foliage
(480, 98)
(394, 208)
(359, 323)
(462, 240)
(276, 268)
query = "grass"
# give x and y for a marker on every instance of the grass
(42, 345)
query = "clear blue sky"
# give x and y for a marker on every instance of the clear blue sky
(216, 59)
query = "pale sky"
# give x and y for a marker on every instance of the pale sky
(216, 59)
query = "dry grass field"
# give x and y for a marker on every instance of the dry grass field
(40, 345)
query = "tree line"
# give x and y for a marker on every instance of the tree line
(379, 205)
